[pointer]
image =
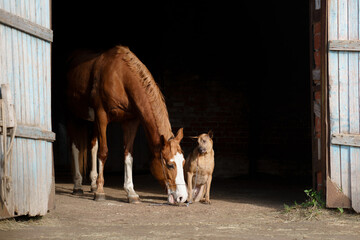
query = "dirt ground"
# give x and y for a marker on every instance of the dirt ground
(240, 209)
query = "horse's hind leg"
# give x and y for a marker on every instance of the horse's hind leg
(101, 125)
(129, 129)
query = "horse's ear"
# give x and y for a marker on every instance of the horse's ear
(179, 134)
(162, 141)
(211, 134)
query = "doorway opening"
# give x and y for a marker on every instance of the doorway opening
(241, 71)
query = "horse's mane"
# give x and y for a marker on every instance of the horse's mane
(152, 90)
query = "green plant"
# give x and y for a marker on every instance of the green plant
(341, 210)
(315, 199)
(309, 209)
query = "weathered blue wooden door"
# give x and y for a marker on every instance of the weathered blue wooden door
(27, 179)
(343, 69)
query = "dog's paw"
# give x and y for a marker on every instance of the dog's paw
(205, 201)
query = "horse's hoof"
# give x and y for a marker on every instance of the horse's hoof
(78, 191)
(99, 197)
(134, 200)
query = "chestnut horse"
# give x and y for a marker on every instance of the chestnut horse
(116, 86)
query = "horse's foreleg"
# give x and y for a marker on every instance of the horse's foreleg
(133, 197)
(93, 173)
(129, 129)
(101, 124)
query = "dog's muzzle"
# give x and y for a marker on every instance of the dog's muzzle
(201, 150)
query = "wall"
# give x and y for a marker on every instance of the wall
(317, 47)
(242, 72)
(202, 103)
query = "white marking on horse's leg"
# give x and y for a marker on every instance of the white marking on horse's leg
(128, 181)
(100, 180)
(101, 167)
(100, 194)
(93, 173)
(77, 175)
(181, 191)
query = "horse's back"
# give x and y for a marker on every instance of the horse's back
(79, 82)
(85, 66)
(89, 73)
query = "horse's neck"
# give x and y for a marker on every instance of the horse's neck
(154, 117)
(156, 131)
(148, 99)
(155, 126)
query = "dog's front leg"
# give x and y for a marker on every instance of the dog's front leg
(189, 177)
(207, 194)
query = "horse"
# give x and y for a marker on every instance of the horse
(115, 86)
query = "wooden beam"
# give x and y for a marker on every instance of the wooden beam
(344, 45)
(346, 139)
(36, 133)
(32, 132)
(26, 26)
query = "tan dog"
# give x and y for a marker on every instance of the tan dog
(198, 169)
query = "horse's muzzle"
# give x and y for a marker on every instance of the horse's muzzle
(179, 196)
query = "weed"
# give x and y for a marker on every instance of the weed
(310, 208)
(315, 199)
(341, 210)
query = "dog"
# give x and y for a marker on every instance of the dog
(198, 169)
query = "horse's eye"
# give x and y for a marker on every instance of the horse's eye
(170, 166)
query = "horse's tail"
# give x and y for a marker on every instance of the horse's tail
(78, 133)
(83, 159)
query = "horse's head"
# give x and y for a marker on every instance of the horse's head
(168, 168)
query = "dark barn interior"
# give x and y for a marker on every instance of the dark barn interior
(241, 70)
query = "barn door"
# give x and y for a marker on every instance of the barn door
(26, 174)
(343, 185)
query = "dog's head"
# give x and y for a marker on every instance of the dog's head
(205, 142)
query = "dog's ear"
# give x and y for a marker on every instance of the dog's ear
(193, 137)
(211, 134)
(179, 135)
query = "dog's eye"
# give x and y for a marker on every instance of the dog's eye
(170, 166)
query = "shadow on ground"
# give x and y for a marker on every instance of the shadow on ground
(266, 192)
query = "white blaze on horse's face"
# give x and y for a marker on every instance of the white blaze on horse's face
(181, 192)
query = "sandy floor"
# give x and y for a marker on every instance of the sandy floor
(240, 210)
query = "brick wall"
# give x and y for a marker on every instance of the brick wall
(260, 126)
(199, 104)
(317, 48)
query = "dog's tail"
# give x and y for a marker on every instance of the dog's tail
(198, 193)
